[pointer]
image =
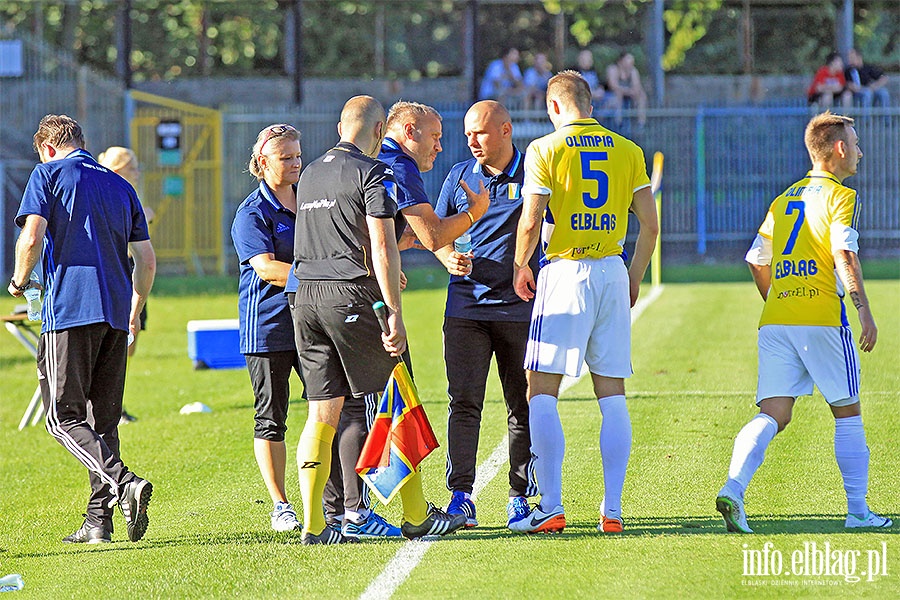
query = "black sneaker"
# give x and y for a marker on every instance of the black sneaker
(437, 523)
(126, 418)
(89, 534)
(327, 537)
(133, 501)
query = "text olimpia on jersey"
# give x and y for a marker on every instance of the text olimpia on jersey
(591, 175)
(801, 222)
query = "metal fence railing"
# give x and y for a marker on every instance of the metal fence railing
(731, 163)
(50, 82)
(723, 167)
(53, 83)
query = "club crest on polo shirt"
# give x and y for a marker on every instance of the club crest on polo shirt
(514, 191)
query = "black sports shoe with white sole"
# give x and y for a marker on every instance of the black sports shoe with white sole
(327, 537)
(89, 534)
(133, 501)
(437, 523)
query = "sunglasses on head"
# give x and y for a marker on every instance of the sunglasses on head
(273, 132)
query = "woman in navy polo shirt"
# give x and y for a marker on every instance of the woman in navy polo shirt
(263, 236)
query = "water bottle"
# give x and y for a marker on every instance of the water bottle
(463, 244)
(33, 295)
(11, 583)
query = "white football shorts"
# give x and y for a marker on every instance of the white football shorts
(582, 314)
(794, 357)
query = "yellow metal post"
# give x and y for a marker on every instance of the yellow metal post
(189, 228)
(217, 182)
(656, 187)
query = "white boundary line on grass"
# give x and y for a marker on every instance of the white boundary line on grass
(411, 553)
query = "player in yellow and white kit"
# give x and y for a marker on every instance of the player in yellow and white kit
(804, 261)
(580, 183)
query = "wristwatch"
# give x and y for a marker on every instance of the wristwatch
(12, 282)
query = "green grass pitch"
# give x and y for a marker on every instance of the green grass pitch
(695, 373)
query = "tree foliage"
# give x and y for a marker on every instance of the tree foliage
(687, 22)
(424, 38)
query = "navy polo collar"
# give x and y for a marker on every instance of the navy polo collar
(392, 144)
(510, 169)
(266, 192)
(78, 153)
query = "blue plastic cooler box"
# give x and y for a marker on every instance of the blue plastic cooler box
(215, 344)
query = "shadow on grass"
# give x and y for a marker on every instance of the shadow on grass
(183, 285)
(764, 524)
(15, 361)
(247, 538)
(691, 525)
(639, 527)
(729, 271)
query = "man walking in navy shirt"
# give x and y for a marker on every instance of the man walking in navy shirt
(86, 218)
(484, 316)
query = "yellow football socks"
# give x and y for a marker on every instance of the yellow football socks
(314, 463)
(415, 508)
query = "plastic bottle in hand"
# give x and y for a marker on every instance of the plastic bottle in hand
(463, 244)
(33, 295)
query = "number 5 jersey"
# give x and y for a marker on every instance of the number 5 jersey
(591, 175)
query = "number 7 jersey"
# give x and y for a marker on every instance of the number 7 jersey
(591, 175)
(806, 224)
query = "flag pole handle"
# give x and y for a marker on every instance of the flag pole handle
(381, 313)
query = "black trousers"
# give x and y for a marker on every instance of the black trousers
(82, 376)
(468, 346)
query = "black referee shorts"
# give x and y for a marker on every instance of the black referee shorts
(339, 338)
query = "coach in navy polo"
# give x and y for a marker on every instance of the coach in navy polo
(87, 219)
(483, 314)
(262, 308)
(412, 142)
(263, 236)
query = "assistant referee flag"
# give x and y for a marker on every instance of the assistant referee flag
(399, 440)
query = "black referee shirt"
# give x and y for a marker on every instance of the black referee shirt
(334, 195)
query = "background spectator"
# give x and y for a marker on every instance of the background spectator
(626, 91)
(585, 66)
(829, 84)
(124, 162)
(536, 78)
(866, 82)
(503, 80)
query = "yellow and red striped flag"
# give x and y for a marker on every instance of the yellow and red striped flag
(399, 440)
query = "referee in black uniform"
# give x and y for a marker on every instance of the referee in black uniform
(345, 259)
